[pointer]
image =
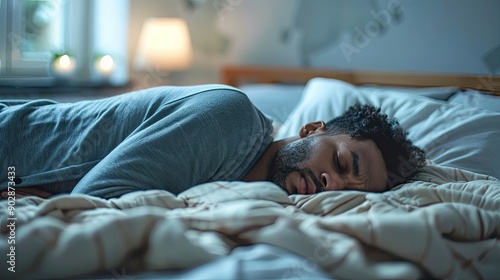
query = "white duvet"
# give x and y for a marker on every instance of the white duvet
(444, 224)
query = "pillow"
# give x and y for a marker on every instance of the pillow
(276, 101)
(441, 93)
(451, 134)
(477, 99)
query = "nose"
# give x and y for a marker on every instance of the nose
(332, 182)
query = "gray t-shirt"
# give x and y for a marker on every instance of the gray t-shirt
(169, 138)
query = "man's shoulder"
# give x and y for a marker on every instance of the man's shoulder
(198, 91)
(217, 97)
(226, 104)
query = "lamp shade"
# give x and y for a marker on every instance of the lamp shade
(164, 44)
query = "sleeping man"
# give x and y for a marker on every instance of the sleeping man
(174, 138)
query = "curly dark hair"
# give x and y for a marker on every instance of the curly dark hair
(363, 122)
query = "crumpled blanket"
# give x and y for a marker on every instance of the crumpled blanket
(445, 223)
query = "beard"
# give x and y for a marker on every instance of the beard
(291, 158)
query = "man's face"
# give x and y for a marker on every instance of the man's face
(327, 163)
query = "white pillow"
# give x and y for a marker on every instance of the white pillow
(450, 133)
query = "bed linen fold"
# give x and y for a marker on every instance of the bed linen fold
(445, 223)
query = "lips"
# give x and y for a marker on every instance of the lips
(303, 186)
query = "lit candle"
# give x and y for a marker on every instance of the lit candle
(104, 64)
(64, 64)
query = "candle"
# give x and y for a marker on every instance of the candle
(104, 64)
(64, 64)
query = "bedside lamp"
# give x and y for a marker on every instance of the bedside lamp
(164, 45)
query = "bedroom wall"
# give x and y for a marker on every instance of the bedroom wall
(418, 36)
(433, 36)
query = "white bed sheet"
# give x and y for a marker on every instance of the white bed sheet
(444, 225)
(259, 261)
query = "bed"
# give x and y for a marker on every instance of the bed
(443, 224)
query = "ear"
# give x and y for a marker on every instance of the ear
(312, 128)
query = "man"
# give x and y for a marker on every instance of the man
(360, 150)
(173, 138)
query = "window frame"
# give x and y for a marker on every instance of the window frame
(18, 67)
(79, 27)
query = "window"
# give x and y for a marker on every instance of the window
(32, 31)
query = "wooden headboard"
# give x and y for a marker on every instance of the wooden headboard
(236, 75)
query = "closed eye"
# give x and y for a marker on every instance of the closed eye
(337, 164)
(355, 163)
